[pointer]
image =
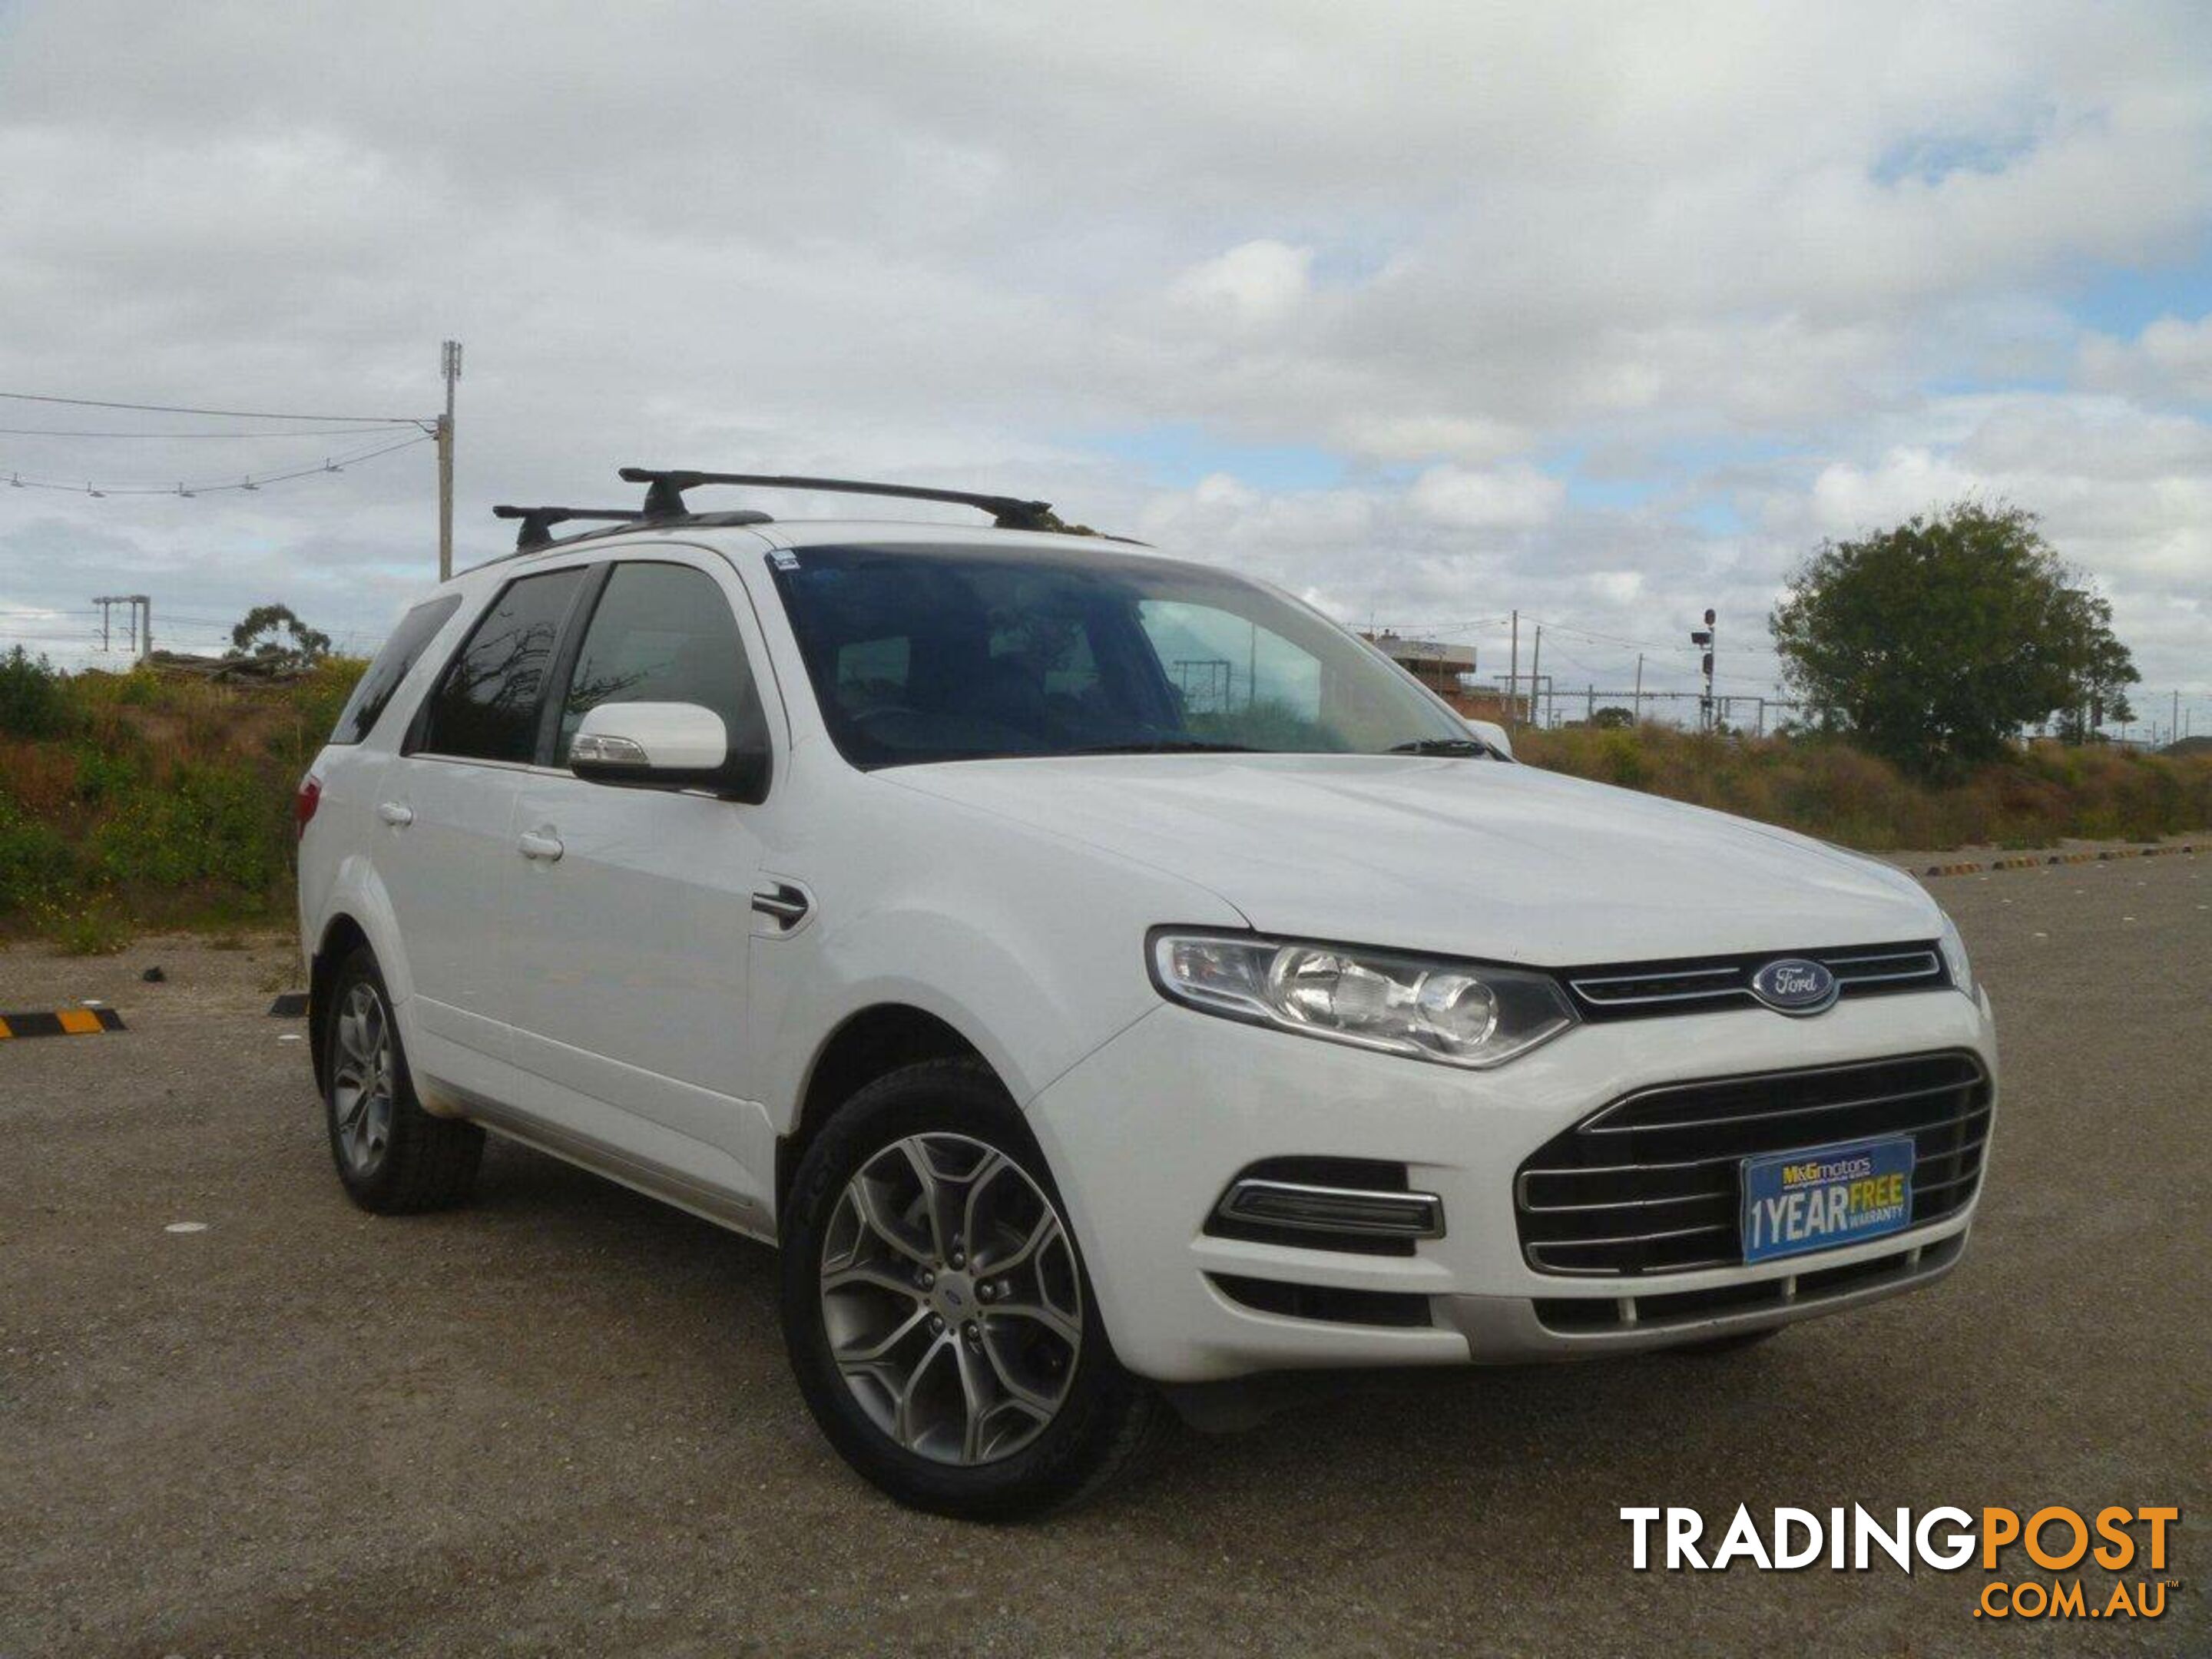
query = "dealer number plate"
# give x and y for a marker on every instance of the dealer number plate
(1822, 1196)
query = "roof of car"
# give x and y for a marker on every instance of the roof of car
(887, 535)
(666, 508)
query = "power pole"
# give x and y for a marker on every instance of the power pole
(1535, 666)
(449, 362)
(1639, 713)
(1513, 678)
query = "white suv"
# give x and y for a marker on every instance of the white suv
(1101, 975)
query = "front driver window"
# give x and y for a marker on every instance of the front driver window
(661, 633)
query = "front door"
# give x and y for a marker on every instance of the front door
(629, 928)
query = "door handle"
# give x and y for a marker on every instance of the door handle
(538, 844)
(394, 814)
(783, 904)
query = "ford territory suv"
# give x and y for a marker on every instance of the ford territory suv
(1100, 974)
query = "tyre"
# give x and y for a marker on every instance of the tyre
(938, 1313)
(393, 1157)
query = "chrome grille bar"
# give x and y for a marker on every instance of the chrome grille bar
(1630, 992)
(1705, 1194)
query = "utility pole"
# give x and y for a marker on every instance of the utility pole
(1513, 678)
(449, 362)
(1637, 715)
(1535, 666)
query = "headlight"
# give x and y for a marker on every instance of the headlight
(1954, 957)
(1458, 1013)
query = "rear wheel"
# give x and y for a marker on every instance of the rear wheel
(393, 1157)
(937, 1309)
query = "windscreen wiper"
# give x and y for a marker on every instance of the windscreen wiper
(1442, 746)
(1166, 746)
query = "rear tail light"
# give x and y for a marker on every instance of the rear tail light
(304, 804)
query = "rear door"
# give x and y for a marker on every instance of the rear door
(628, 945)
(443, 822)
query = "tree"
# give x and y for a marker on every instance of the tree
(1936, 642)
(272, 631)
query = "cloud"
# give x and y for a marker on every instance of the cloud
(2171, 359)
(1576, 294)
(1508, 498)
(1251, 285)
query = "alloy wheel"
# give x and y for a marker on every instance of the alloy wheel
(952, 1298)
(362, 1078)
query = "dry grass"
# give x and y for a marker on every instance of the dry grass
(141, 801)
(1829, 789)
(162, 798)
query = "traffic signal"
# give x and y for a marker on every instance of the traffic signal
(1707, 668)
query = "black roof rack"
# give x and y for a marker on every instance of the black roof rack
(538, 522)
(663, 496)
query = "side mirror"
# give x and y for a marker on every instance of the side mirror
(1493, 734)
(675, 746)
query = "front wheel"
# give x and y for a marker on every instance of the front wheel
(937, 1309)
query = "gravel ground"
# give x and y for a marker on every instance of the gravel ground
(560, 1420)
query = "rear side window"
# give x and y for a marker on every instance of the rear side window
(661, 633)
(373, 691)
(487, 704)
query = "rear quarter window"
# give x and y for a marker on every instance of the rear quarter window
(374, 693)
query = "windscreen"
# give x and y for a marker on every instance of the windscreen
(937, 653)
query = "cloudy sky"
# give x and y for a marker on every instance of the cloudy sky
(1431, 312)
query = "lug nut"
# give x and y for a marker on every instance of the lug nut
(974, 1334)
(958, 1259)
(925, 1279)
(937, 1324)
(984, 1292)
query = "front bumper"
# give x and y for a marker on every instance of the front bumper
(1144, 1136)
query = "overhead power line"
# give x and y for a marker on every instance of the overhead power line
(334, 463)
(264, 432)
(221, 414)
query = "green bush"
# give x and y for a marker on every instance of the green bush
(35, 858)
(203, 823)
(34, 697)
(104, 774)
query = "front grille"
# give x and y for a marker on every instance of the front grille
(1645, 990)
(1649, 1185)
